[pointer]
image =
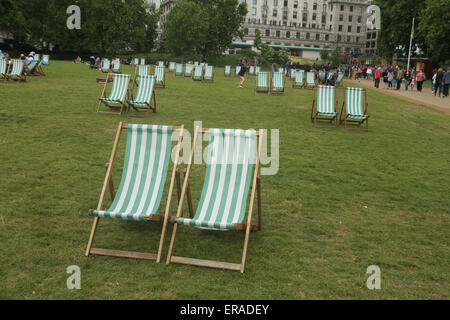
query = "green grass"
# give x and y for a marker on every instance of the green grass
(341, 201)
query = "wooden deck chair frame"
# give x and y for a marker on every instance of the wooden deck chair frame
(108, 184)
(39, 68)
(277, 92)
(19, 78)
(161, 84)
(355, 124)
(248, 226)
(148, 108)
(212, 74)
(261, 89)
(315, 117)
(117, 107)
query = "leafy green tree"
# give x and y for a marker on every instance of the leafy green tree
(186, 28)
(434, 28)
(325, 54)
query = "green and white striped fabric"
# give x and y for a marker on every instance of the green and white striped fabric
(292, 73)
(326, 100)
(238, 69)
(196, 63)
(3, 66)
(136, 61)
(119, 89)
(2, 56)
(278, 81)
(263, 80)
(299, 77)
(340, 77)
(310, 79)
(145, 91)
(179, 69)
(171, 66)
(106, 65)
(161, 64)
(227, 70)
(159, 74)
(198, 72)
(116, 67)
(143, 70)
(142, 61)
(258, 70)
(354, 103)
(32, 65)
(322, 76)
(17, 69)
(208, 73)
(231, 159)
(144, 173)
(281, 70)
(37, 57)
(188, 70)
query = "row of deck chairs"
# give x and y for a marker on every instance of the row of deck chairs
(14, 70)
(232, 170)
(353, 113)
(121, 97)
(197, 72)
(108, 66)
(159, 73)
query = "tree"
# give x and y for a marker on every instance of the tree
(435, 29)
(324, 54)
(186, 28)
(336, 57)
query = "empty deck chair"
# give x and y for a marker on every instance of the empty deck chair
(324, 106)
(171, 66)
(147, 156)
(145, 99)
(118, 95)
(208, 76)
(238, 69)
(188, 70)
(354, 109)
(227, 71)
(178, 70)
(277, 83)
(339, 79)
(257, 69)
(142, 70)
(142, 61)
(322, 76)
(160, 77)
(16, 71)
(4, 66)
(161, 64)
(198, 73)
(136, 61)
(310, 80)
(299, 79)
(106, 66)
(117, 67)
(232, 168)
(262, 82)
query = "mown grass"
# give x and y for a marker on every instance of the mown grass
(341, 201)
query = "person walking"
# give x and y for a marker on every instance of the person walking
(407, 78)
(377, 77)
(390, 78)
(420, 78)
(242, 72)
(439, 83)
(446, 82)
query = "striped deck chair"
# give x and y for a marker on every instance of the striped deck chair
(281, 70)
(310, 80)
(171, 66)
(352, 112)
(251, 71)
(324, 107)
(4, 66)
(227, 71)
(141, 70)
(208, 76)
(232, 168)
(145, 96)
(299, 79)
(118, 95)
(136, 61)
(322, 76)
(198, 73)
(277, 83)
(178, 70)
(238, 69)
(142, 61)
(106, 66)
(188, 70)
(257, 70)
(146, 166)
(30, 69)
(161, 64)
(16, 71)
(339, 79)
(262, 82)
(117, 67)
(160, 76)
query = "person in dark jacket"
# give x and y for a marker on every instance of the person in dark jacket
(242, 72)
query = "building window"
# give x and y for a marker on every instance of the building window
(275, 3)
(324, 18)
(357, 39)
(307, 35)
(340, 28)
(331, 18)
(359, 19)
(305, 5)
(368, 35)
(324, 8)
(374, 35)
(246, 31)
(327, 37)
(267, 33)
(288, 34)
(372, 44)
(342, 7)
(305, 17)
(358, 29)
(275, 13)
(295, 4)
(339, 38)
(285, 4)
(349, 29)
(341, 17)
(297, 35)
(254, 11)
(294, 15)
(314, 16)
(315, 6)
(278, 33)
(350, 18)
(348, 38)
(317, 36)
(351, 8)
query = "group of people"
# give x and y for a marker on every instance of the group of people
(27, 59)
(440, 81)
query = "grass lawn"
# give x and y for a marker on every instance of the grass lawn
(341, 201)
